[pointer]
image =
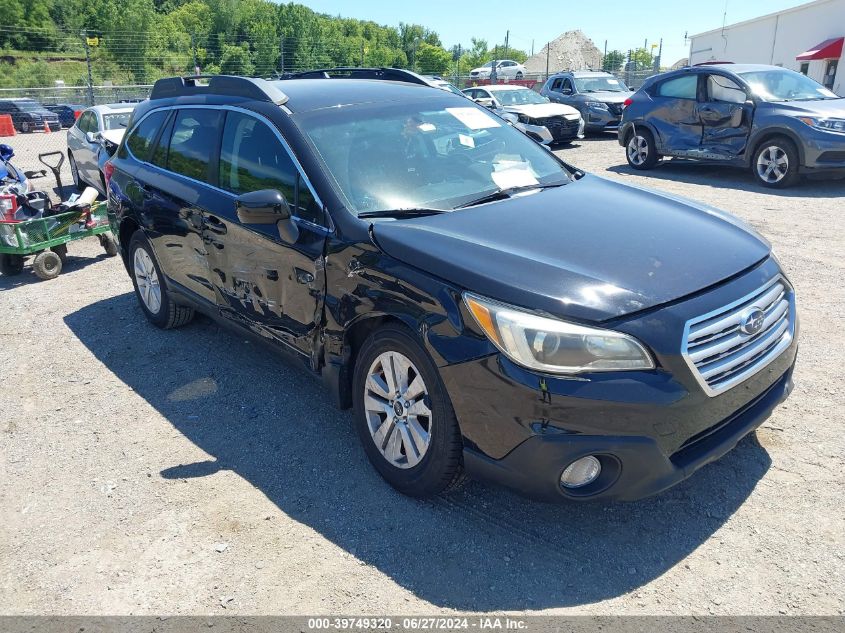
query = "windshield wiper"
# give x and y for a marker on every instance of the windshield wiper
(502, 194)
(401, 213)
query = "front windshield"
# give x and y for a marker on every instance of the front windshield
(428, 154)
(116, 121)
(785, 85)
(518, 97)
(487, 65)
(450, 88)
(599, 84)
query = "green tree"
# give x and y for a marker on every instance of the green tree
(613, 61)
(432, 60)
(235, 60)
(642, 58)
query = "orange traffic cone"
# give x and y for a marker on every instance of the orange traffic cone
(46, 128)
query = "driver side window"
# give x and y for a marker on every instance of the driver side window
(724, 90)
(567, 86)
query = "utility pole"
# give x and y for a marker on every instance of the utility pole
(604, 57)
(507, 37)
(282, 54)
(194, 53)
(659, 56)
(414, 64)
(362, 53)
(532, 48)
(90, 74)
(548, 48)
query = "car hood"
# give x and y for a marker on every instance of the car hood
(606, 96)
(821, 107)
(543, 110)
(591, 250)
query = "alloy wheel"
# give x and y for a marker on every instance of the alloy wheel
(637, 150)
(397, 409)
(147, 279)
(772, 164)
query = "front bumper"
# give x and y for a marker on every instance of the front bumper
(823, 151)
(601, 120)
(539, 133)
(633, 467)
(650, 429)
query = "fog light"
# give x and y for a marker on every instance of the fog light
(581, 472)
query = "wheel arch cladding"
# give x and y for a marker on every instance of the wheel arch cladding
(386, 292)
(767, 134)
(128, 226)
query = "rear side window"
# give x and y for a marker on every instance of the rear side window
(195, 135)
(142, 137)
(685, 87)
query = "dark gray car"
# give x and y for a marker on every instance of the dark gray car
(777, 122)
(598, 96)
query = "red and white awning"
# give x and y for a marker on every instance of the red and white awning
(829, 49)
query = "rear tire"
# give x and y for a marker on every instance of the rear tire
(640, 150)
(74, 173)
(11, 264)
(109, 244)
(775, 163)
(519, 75)
(403, 415)
(61, 251)
(153, 296)
(47, 265)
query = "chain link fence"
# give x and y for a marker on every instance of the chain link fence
(93, 68)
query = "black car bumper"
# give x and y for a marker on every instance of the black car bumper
(633, 467)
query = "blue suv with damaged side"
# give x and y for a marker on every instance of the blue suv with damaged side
(776, 122)
(484, 307)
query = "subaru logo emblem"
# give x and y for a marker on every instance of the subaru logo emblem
(752, 321)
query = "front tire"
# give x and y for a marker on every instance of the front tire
(26, 127)
(404, 417)
(155, 300)
(641, 151)
(47, 265)
(775, 163)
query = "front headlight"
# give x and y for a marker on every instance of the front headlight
(596, 105)
(524, 118)
(554, 346)
(828, 125)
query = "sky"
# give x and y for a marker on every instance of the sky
(624, 24)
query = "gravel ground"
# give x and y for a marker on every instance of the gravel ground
(191, 472)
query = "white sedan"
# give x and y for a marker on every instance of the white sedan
(504, 68)
(91, 141)
(564, 123)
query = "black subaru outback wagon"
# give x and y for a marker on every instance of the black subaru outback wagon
(484, 307)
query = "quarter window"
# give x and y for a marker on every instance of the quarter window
(142, 137)
(192, 143)
(685, 87)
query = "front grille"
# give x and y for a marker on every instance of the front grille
(615, 108)
(721, 353)
(831, 157)
(559, 127)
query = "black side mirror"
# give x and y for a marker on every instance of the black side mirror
(266, 206)
(567, 91)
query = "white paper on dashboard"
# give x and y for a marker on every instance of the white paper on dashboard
(474, 118)
(514, 177)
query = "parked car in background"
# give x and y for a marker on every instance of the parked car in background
(482, 306)
(28, 115)
(439, 82)
(598, 96)
(504, 68)
(563, 123)
(67, 113)
(777, 122)
(93, 139)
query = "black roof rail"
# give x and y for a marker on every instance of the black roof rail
(354, 72)
(228, 85)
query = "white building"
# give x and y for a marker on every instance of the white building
(808, 38)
